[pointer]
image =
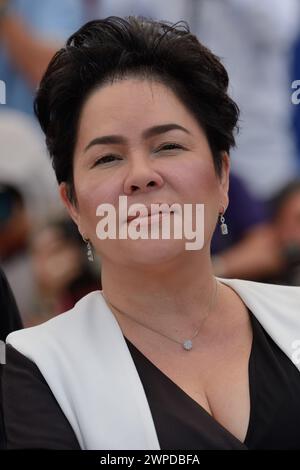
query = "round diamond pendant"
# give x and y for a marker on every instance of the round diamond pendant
(188, 344)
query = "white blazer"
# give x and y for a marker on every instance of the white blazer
(85, 360)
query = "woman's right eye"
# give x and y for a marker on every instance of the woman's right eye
(106, 159)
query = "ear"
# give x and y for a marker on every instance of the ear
(69, 205)
(224, 179)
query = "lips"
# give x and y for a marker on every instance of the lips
(153, 211)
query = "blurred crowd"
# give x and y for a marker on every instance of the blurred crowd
(41, 252)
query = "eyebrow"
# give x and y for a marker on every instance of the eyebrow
(150, 132)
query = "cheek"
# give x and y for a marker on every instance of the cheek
(195, 179)
(91, 192)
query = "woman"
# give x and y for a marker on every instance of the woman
(166, 355)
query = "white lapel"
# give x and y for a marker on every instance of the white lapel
(277, 308)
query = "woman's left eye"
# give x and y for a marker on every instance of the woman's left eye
(170, 147)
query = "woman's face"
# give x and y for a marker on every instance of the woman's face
(141, 166)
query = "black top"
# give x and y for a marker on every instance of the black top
(10, 319)
(34, 419)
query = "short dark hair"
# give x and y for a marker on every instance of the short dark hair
(112, 48)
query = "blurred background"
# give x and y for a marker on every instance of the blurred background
(41, 252)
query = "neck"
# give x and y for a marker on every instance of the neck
(177, 293)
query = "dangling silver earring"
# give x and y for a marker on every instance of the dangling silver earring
(224, 228)
(89, 249)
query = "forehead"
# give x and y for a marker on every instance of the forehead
(129, 106)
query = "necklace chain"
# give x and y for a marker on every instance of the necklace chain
(187, 344)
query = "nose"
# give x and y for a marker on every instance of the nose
(142, 177)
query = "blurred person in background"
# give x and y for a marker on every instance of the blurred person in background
(62, 272)
(250, 250)
(28, 197)
(47, 267)
(285, 208)
(25, 164)
(30, 33)
(14, 246)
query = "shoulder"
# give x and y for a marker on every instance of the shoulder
(276, 301)
(261, 290)
(65, 328)
(276, 307)
(32, 416)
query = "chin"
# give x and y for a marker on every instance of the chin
(153, 252)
